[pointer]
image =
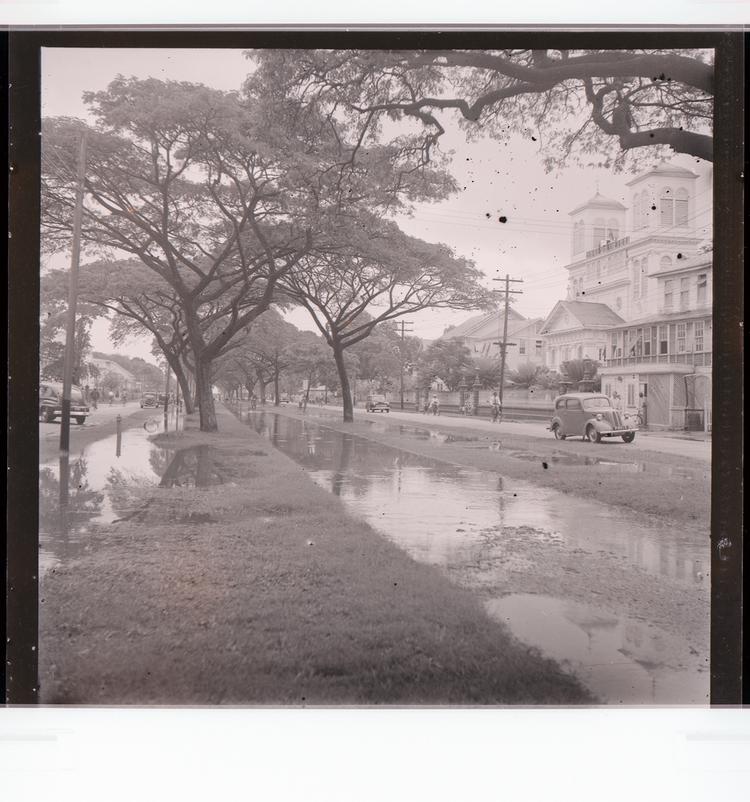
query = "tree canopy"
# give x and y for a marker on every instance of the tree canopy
(575, 102)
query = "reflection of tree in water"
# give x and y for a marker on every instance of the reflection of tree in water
(192, 467)
(83, 502)
(120, 490)
(342, 464)
(159, 459)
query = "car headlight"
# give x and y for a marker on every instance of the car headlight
(599, 416)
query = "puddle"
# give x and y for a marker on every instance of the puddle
(193, 467)
(557, 457)
(478, 525)
(620, 659)
(102, 480)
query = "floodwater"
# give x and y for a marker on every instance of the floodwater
(552, 456)
(102, 479)
(470, 523)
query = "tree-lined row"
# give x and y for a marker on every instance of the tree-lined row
(206, 209)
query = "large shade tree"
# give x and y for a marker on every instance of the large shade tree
(577, 102)
(218, 193)
(381, 274)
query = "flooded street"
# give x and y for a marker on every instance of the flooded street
(604, 586)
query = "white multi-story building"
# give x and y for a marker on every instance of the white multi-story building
(640, 295)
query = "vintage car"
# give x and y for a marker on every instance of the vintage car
(590, 416)
(50, 402)
(377, 403)
(149, 400)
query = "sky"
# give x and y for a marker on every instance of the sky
(496, 180)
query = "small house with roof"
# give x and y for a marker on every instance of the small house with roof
(482, 335)
(578, 330)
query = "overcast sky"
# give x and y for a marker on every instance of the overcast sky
(497, 179)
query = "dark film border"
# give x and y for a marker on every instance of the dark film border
(23, 297)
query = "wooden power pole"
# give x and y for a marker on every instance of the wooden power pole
(403, 324)
(70, 328)
(504, 342)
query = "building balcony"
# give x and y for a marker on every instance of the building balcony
(697, 360)
(607, 247)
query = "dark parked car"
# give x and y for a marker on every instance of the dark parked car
(50, 402)
(590, 416)
(377, 403)
(149, 400)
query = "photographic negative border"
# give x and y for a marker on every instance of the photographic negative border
(23, 294)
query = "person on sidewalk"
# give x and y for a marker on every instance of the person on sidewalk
(94, 395)
(435, 405)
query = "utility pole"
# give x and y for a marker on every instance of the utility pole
(504, 342)
(403, 324)
(70, 328)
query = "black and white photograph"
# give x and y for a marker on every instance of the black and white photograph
(377, 375)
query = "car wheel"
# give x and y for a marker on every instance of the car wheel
(556, 431)
(592, 435)
(49, 416)
(387, 410)
(80, 420)
(629, 437)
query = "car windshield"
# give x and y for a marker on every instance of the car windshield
(597, 403)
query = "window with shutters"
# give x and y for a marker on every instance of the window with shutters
(681, 337)
(684, 293)
(681, 207)
(668, 293)
(666, 207)
(663, 340)
(698, 335)
(701, 294)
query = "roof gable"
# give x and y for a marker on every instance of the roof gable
(567, 315)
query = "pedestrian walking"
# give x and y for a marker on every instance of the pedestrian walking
(111, 398)
(496, 408)
(435, 405)
(94, 398)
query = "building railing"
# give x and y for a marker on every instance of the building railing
(608, 246)
(698, 360)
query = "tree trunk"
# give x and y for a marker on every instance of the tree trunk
(262, 390)
(204, 397)
(346, 393)
(182, 379)
(276, 399)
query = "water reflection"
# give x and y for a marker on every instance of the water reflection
(621, 659)
(445, 514)
(481, 528)
(192, 467)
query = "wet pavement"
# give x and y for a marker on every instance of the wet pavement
(480, 527)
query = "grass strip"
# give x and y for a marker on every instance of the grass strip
(263, 590)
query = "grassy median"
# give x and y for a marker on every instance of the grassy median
(263, 590)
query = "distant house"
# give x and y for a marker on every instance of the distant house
(482, 335)
(578, 330)
(129, 382)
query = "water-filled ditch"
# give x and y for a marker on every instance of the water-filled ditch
(488, 532)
